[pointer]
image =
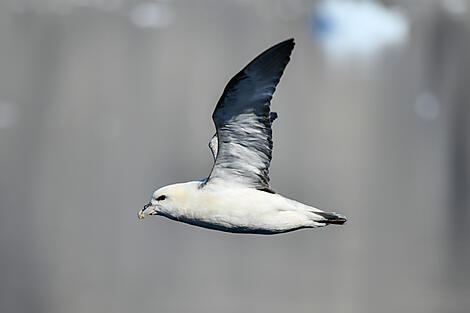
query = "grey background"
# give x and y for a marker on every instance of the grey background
(97, 112)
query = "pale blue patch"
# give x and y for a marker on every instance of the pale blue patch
(202, 180)
(358, 28)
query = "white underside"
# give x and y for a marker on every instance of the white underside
(236, 208)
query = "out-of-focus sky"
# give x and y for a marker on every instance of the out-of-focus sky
(104, 101)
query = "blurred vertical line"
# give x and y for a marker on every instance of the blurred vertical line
(460, 166)
(449, 61)
(36, 75)
(42, 81)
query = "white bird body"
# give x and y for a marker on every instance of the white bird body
(236, 197)
(235, 208)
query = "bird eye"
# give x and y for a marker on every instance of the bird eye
(162, 197)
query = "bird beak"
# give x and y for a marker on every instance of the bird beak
(148, 209)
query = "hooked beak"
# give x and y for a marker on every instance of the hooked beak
(148, 209)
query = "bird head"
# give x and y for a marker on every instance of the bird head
(165, 201)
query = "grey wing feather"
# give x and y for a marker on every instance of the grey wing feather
(214, 142)
(242, 147)
(213, 145)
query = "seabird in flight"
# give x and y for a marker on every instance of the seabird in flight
(236, 197)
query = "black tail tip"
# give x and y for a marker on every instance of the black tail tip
(332, 218)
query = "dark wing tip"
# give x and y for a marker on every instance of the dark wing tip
(331, 218)
(273, 59)
(287, 42)
(286, 45)
(266, 69)
(290, 42)
(282, 49)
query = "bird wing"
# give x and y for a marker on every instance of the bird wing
(242, 147)
(214, 145)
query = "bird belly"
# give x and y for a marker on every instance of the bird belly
(258, 213)
(222, 224)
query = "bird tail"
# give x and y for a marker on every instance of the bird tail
(331, 218)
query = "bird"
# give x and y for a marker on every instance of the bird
(236, 196)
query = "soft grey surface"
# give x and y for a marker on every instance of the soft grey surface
(100, 112)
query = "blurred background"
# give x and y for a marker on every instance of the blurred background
(104, 101)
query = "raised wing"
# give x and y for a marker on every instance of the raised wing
(243, 120)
